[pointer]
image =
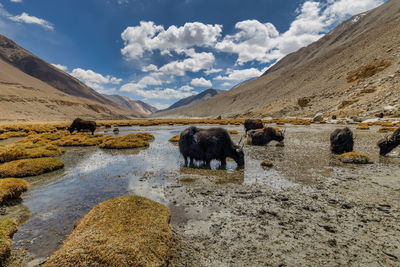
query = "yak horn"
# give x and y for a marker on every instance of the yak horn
(240, 140)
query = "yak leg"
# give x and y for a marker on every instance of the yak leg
(93, 131)
(223, 162)
(191, 162)
(186, 161)
(208, 163)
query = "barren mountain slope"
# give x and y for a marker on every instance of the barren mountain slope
(38, 68)
(138, 107)
(25, 98)
(354, 69)
(191, 100)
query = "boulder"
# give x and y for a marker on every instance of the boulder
(318, 117)
(124, 231)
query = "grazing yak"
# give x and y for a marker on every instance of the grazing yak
(342, 141)
(389, 143)
(208, 144)
(263, 136)
(250, 124)
(79, 124)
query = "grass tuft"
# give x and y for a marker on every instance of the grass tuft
(175, 138)
(386, 129)
(27, 150)
(30, 167)
(124, 231)
(136, 140)
(7, 229)
(12, 188)
(363, 127)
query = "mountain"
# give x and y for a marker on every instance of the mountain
(38, 68)
(352, 70)
(139, 107)
(191, 100)
(33, 90)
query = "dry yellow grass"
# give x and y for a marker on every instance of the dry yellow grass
(81, 139)
(7, 229)
(136, 140)
(27, 149)
(30, 167)
(368, 70)
(233, 132)
(363, 127)
(124, 231)
(385, 129)
(12, 134)
(175, 138)
(12, 188)
(355, 158)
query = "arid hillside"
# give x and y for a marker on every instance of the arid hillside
(25, 98)
(34, 90)
(138, 107)
(353, 70)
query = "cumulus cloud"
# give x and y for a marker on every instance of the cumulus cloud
(194, 63)
(201, 82)
(16, 1)
(239, 75)
(95, 80)
(186, 88)
(256, 41)
(211, 71)
(61, 67)
(26, 18)
(149, 37)
(156, 93)
(150, 67)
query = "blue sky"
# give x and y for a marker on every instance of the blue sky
(160, 51)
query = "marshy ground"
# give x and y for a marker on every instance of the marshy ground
(308, 209)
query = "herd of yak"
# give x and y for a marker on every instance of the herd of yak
(215, 143)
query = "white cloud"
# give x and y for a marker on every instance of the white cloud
(186, 88)
(201, 82)
(256, 41)
(95, 80)
(211, 71)
(16, 1)
(61, 67)
(150, 37)
(26, 18)
(239, 75)
(150, 67)
(195, 63)
(157, 93)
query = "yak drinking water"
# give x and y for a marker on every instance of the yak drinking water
(79, 124)
(263, 136)
(208, 144)
(251, 124)
(387, 144)
(342, 141)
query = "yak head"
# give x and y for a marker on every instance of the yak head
(71, 129)
(279, 135)
(386, 145)
(239, 154)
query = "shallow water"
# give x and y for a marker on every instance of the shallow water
(91, 175)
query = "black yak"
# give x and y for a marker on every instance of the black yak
(389, 143)
(342, 141)
(250, 124)
(263, 136)
(208, 144)
(79, 124)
